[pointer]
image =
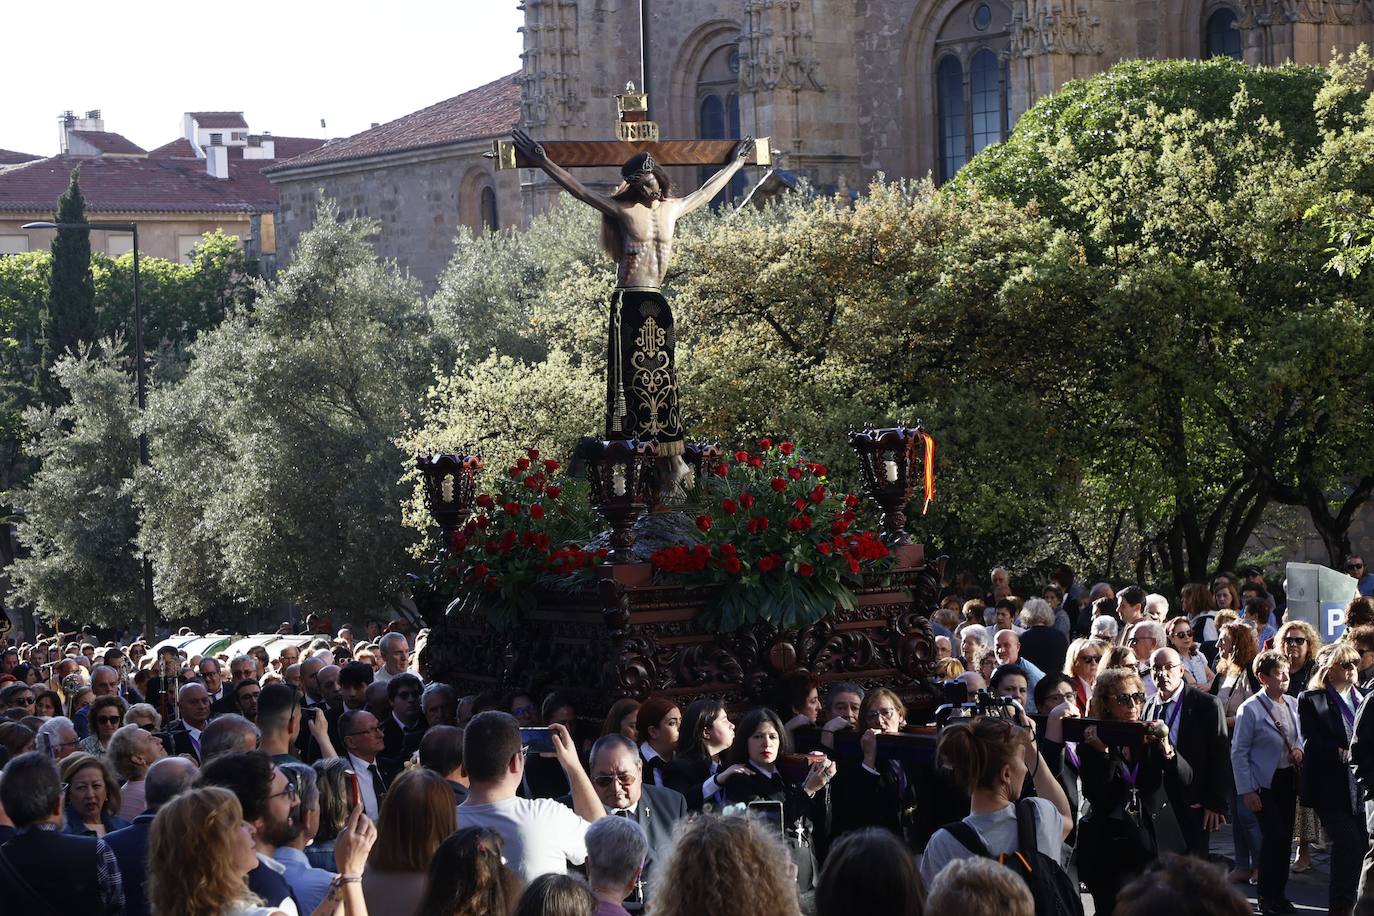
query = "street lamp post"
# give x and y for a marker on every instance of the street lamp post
(140, 384)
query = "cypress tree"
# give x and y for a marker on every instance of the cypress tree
(70, 317)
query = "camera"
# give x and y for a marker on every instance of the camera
(983, 704)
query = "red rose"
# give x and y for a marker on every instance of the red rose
(794, 473)
(550, 466)
(787, 448)
(515, 472)
(765, 444)
(839, 526)
(523, 464)
(851, 501)
(481, 521)
(728, 550)
(799, 504)
(704, 522)
(756, 461)
(728, 506)
(769, 563)
(805, 569)
(746, 500)
(533, 454)
(794, 523)
(534, 482)
(722, 470)
(818, 495)
(479, 571)
(536, 511)
(758, 523)
(553, 491)
(741, 457)
(730, 565)
(853, 566)
(512, 508)
(778, 484)
(823, 548)
(493, 584)
(819, 470)
(485, 501)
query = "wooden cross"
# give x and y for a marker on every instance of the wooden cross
(635, 133)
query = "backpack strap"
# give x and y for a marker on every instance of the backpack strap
(968, 838)
(1026, 826)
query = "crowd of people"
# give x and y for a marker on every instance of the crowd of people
(329, 776)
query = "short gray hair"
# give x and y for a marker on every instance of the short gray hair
(124, 744)
(143, 709)
(1154, 599)
(1036, 612)
(306, 787)
(391, 638)
(616, 847)
(167, 778)
(1151, 629)
(840, 687)
(978, 632)
(228, 734)
(48, 737)
(1105, 628)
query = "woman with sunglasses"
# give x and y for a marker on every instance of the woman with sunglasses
(1181, 638)
(1081, 664)
(1326, 716)
(1129, 822)
(1266, 752)
(105, 717)
(1298, 640)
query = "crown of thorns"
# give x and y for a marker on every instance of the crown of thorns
(646, 168)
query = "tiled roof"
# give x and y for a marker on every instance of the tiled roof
(10, 157)
(180, 148)
(109, 142)
(218, 119)
(158, 184)
(486, 111)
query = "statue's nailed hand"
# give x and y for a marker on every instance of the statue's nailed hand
(746, 146)
(528, 146)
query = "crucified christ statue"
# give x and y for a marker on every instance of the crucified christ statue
(637, 224)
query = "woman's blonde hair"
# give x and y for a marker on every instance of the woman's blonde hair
(197, 878)
(1309, 632)
(417, 815)
(75, 763)
(976, 750)
(1328, 658)
(726, 866)
(948, 668)
(1077, 647)
(1110, 683)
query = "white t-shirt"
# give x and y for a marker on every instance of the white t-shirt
(998, 833)
(541, 836)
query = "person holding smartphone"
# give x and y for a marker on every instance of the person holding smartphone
(1129, 821)
(761, 741)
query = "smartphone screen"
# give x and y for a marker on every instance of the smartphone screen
(768, 814)
(536, 740)
(355, 793)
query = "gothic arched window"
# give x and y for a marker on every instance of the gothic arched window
(489, 220)
(1222, 36)
(718, 110)
(949, 78)
(971, 92)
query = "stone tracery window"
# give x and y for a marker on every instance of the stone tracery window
(971, 74)
(718, 110)
(1222, 38)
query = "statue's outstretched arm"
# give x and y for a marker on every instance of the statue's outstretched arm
(717, 182)
(532, 150)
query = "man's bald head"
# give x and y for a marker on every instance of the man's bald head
(193, 705)
(167, 778)
(1166, 667)
(1008, 646)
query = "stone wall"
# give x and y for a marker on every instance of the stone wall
(420, 199)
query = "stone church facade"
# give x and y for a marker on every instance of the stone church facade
(845, 89)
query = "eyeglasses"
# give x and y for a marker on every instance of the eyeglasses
(1134, 699)
(147, 726)
(1294, 640)
(1182, 634)
(1349, 666)
(1063, 696)
(23, 701)
(1090, 659)
(365, 731)
(605, 779)
(1354, 566)
(1163, 669)
(882, 712)
(107, 720)
(290, 791)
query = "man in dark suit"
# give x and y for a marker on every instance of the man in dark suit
(1197, 730)
(221, 693)
(617, 775)
(406, 725)
(167, 778)
(193, 708)
(43, 870)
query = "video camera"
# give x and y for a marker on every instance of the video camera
(983, 704)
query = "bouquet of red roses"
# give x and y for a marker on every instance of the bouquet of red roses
(777, 541)
(519, 537)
